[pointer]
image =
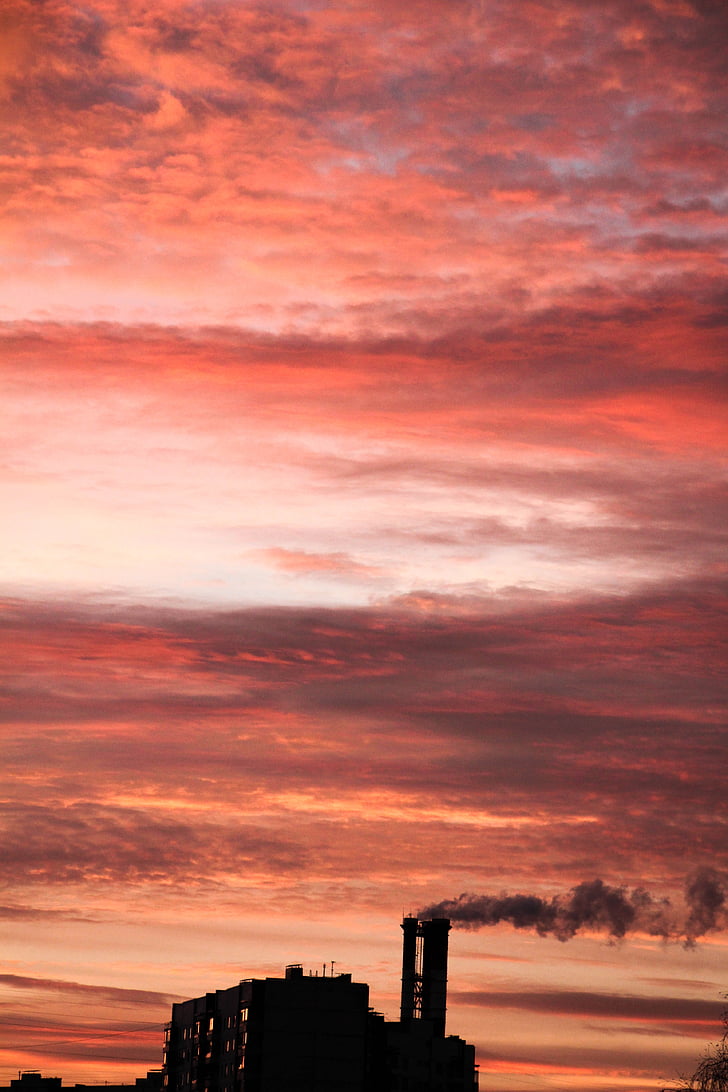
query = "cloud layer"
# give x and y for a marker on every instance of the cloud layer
(362, 165)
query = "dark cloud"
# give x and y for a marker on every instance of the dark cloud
(654, 242)
(475, 703)
(36, 913)
(674, 1013)
(93, 843)
(705, 896)
(113, 994)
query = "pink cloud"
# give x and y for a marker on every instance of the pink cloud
(301, 561)
(375, 127)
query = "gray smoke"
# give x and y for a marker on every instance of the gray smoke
(706, 899)
(597, 907)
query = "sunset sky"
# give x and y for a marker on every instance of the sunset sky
(363, 493)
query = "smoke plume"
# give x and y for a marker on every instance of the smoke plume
(594, 906)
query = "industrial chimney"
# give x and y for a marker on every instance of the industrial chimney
(424, 971)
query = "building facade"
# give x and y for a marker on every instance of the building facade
(303, 1032)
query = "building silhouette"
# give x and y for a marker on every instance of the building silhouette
(419, 1056)
(317, 1033)
(33, 1081)
(302, 1032)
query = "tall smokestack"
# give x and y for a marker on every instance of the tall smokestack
(434, 972)
(410, 927)
(424, 971)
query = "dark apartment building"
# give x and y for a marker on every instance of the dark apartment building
(317, 1033)
(269, 1035)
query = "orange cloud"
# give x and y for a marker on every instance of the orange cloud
(300, 561)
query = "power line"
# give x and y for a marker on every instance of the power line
(110, 1031)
